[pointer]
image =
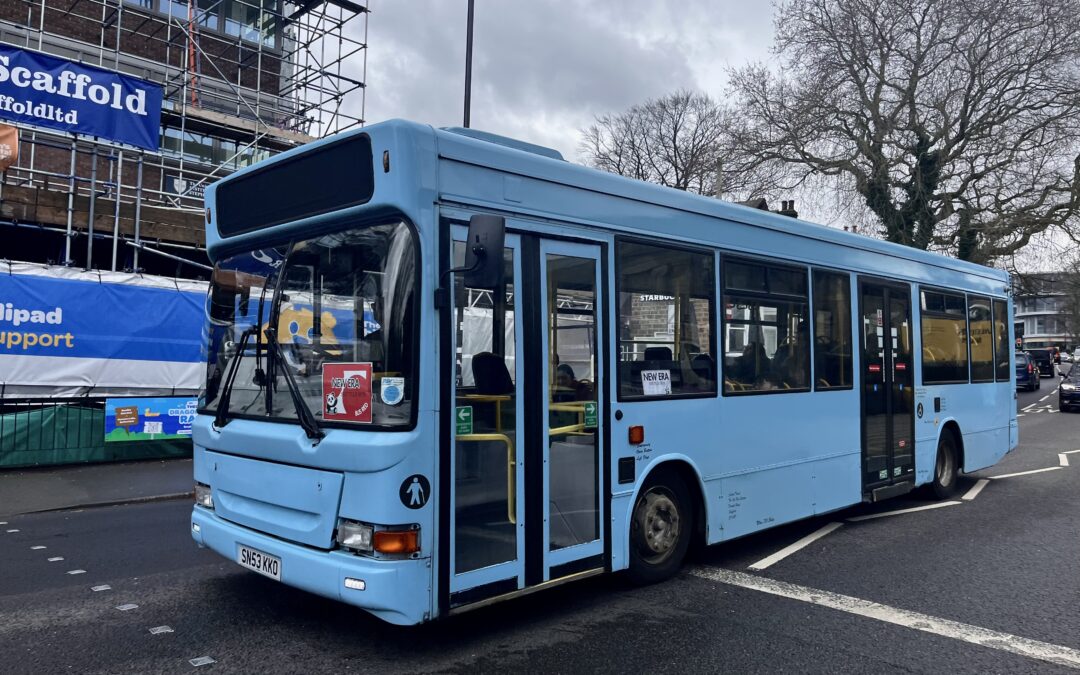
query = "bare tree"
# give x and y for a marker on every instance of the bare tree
(956, 121)
(682, 140)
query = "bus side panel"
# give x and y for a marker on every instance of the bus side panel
(620, 530)
(837, 482)
(980, 410)
(786, 456)
(762, 499)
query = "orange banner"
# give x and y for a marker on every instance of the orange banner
(9, 146)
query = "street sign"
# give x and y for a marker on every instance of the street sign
(590, 415)
(463, 420)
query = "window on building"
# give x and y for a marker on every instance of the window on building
(205, 12)
(1002, 348)
(252, 20)
(944, 338)
(766, 328)
(666, 303)
(832, 331)
(981, 335)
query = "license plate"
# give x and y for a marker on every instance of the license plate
(263, 563)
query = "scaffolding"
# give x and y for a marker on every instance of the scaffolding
(242, 80)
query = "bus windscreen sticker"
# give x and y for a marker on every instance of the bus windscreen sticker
(392, 390)
(347, 392)
(656, 382)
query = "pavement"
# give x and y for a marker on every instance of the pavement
(65, 487)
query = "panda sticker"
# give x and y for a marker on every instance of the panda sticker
(347, 392)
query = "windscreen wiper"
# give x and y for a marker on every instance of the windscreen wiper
(303, 412)
(222, 417)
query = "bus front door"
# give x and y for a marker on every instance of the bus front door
(569, 540)
(888, 446)
(526, 503)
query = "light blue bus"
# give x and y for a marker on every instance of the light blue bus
(447, 368)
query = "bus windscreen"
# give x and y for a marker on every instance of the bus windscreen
(332, 177)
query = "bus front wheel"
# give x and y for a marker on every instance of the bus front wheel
(945, 467)
(660, 528)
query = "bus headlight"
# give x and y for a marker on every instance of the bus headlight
(203, 497)
(355, 536)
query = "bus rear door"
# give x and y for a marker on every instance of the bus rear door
(888, 445)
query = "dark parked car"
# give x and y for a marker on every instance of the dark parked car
(1044, 359)
(1027, 374)
(1069, 392)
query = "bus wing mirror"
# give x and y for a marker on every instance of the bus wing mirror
(484, 252)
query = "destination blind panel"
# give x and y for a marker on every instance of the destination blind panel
(334, 177)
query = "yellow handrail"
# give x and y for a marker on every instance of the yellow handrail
(511, 469)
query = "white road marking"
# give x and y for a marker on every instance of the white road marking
(11, 531)
(1019, 414)
(1025, 473)
(1044, 398)
(36, 548)
(1030, 406)
(127, 607)
(56, 559)
(158, 630)
(1014, 644)
(202, 661)
(76, 571)
(886, 514)
(102, 587)
(1070, 452)
(975, 489)
(1063, 459)
(800, 544)
(3, 522)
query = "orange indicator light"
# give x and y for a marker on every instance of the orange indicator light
(397, 543)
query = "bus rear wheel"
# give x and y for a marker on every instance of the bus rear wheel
(945, 467)
(660, 528)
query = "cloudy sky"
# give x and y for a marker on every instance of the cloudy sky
(542, 70)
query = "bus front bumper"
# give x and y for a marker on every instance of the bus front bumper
(396, 591)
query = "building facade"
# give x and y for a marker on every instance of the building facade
(241, 80)
(1045, 308)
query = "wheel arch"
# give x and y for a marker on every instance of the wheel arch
(691, 477)
(952, 427)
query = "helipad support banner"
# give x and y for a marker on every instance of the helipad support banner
(86, 334)
(60, 94)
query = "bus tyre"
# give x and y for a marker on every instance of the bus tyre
(660, 528)
(945, 467)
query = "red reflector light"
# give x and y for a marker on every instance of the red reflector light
(1030, 368)
(397, 543)
(637, 435)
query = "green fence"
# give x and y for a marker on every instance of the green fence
(41, 433)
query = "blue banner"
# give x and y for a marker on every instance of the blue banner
(148, 419)
(59, 94)
(43, 316)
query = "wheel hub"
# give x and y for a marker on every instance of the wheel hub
(660, 523)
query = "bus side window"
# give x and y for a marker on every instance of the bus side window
(766, 327)
(832, 331)
(666, 301)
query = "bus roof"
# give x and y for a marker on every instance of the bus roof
(529, 161)
(504, 157)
